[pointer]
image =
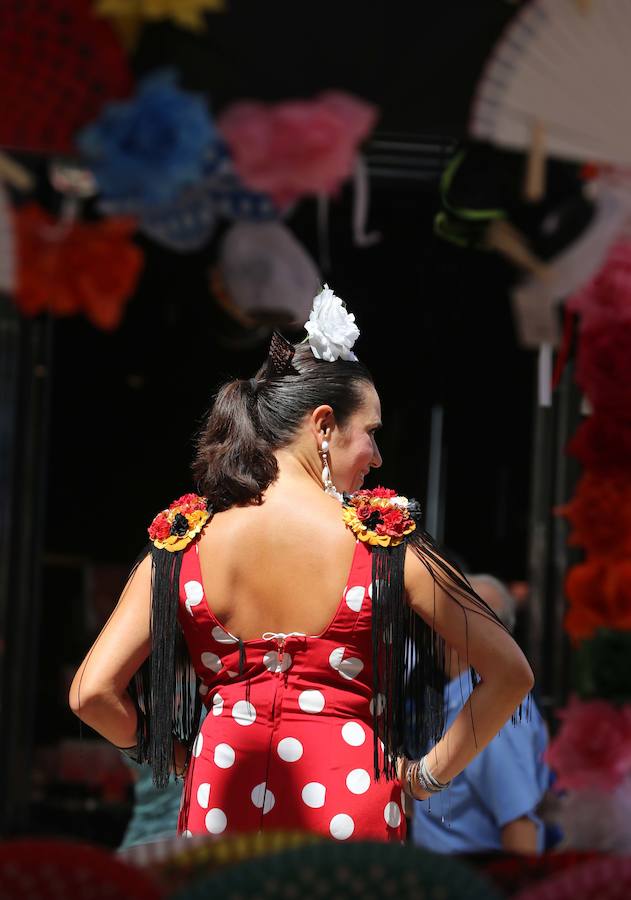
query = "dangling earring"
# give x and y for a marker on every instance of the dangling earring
(329, 487)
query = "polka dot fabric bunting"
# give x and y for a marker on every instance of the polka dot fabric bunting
(59, 64)
(288, 744)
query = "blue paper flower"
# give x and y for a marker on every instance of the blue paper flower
(143, 151)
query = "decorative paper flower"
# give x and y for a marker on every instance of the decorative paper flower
(90, 268)
(606, 299)
(146, 149)
(599, 596)
(185, 13)
(380, 517)
(175, 527)
(332, 331)
(603, 442)
(604, 363)
(299, 147)
(600, 513)
(592, 749)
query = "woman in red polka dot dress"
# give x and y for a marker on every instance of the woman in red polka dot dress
(291, 598)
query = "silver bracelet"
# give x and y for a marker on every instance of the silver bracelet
(425, 778)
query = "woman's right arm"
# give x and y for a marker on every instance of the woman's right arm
(98, 694)
(481, 642)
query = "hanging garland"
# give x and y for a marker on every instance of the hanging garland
(592, 751)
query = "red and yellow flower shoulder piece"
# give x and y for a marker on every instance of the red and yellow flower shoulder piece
(174, 528)
(380, 517)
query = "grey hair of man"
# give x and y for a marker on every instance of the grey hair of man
(496, 594)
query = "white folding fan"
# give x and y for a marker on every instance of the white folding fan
(567, 65)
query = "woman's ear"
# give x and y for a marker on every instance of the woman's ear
(322, 420)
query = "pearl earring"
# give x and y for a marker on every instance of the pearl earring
(329, 487)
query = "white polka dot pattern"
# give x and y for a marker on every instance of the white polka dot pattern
(216, 821)
(314, 794)
(217, 705)
(341, 827)
(349, 668)
(354, 597)
(194, 595)
(203, 794)
(311, 701)
(243, 713)
(353, 734)
(263, 798)
(222, 636)
(224, 756)
(358, 781)
(211, 661)
(198, 745)
(392, 814)
(187, 834)
(290, 749)
(274, 663)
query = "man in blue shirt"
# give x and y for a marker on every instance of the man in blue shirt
(491, 805)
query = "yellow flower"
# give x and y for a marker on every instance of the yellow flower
(127, 16)
(174, 542)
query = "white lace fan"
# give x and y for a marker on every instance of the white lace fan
(566, 64)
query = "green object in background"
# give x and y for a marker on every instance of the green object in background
(365, 869)
(602, 666)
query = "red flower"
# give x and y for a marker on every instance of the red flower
(364, 511)
(599, 596)
(593, 746)
(604, 364)
(603, 442)
(381, 492)
(160, 528)
(189, 503)
(600, 513)
(393, 523)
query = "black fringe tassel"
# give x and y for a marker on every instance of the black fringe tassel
(408, 654)
(167, 673)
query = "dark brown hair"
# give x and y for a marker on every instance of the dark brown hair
(251, 418)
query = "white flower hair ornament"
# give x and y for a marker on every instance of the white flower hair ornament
(331, 330)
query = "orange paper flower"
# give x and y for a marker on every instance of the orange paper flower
(599, 595)
(600, 513)
(90, 268)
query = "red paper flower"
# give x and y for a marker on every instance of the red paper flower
(599, 595)
(606, 299)
(604, 363)
(189, 503)
(160, 528)
(299, 147)
(600, 513)
(88, 268)
(603, 442)
(593, 746)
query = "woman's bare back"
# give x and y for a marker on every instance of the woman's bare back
(281, 566)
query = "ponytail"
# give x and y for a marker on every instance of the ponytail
(234, 463)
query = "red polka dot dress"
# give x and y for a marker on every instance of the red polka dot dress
(298, 754)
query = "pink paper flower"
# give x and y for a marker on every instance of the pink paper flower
(593, 746)
(298, 147)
